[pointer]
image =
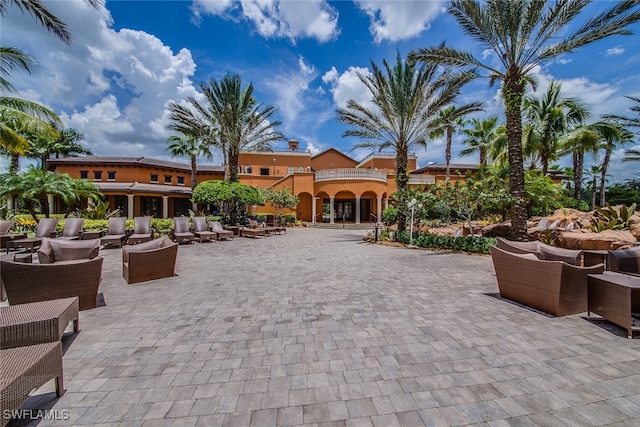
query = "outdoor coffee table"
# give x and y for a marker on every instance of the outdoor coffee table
(615, 296)
(37, 322)
(593, 257)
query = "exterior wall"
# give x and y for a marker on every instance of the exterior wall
(331, 159)
(386, 163)
(277, 163)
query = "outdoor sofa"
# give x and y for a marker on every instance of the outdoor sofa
(149, 260)
(55, 250)
(541, 251)
(625, 260)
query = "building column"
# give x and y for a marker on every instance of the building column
(332, 211)
(130, 205)
(386, 202)
(10, 201)
(165, 206)
(357, 209)
(51, 201)
(314, 200)
(379, 206)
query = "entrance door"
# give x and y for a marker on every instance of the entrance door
(345, 210)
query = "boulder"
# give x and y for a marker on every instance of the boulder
(634, 226)
(583, 239)
(497, 230)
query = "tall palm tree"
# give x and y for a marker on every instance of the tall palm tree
(579, 141)
(191, 147)
(524, 34)
(448, 120)
(12, 59)
(613, 134)
(550, 117)
(479, 137)
(407, 98)
(231, 119)
(593, 173)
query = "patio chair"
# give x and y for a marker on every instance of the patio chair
(180, 231)
(201, 230)
(151, 260)
(5, 236)
(71, 230)
(116, 233)
(541, 251)
(252, 232)
(55, 250)
(46, 226)
(221, 232)
(553, 287)
(25, 283)
(25, 369)
(625, 260)
(142, 231)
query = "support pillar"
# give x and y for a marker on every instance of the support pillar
(357, 209)
(130, 205)
(314, 200)
(386, 202)
(52, 206)
(332, 210)
(379, 207)
(165, 206)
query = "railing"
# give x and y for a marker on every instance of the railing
(422, 179)
(347, 174)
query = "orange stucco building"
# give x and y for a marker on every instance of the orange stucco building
(331, 186)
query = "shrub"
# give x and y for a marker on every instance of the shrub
(473, 244)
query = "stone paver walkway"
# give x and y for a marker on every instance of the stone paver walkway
(316, 327)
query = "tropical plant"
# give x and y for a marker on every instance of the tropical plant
(230, 199)
(609, 218)
(474, 244)
(192, 147)
(281, 200)
(98, 210)
(230, 119)
(579, 141)
(626, 120)
(448, 122)
(42, 147)
(406, 99)
(480, 137)
(632, 155)
(524, 35)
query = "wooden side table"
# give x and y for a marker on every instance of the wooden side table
(592, 257)
(614, 296)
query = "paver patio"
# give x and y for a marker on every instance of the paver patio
(316, 327)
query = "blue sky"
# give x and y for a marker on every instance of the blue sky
(131, 58)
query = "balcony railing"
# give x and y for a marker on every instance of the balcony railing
(351, 174)
(422, 179)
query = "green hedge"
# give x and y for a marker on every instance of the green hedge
(475, 244)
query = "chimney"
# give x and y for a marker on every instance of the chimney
(293, 145)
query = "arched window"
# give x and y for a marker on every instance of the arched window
(247, 169)
(290, 170)
(300, 169)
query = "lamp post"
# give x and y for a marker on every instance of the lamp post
(412, 204)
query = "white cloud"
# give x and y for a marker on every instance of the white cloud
(112, 86)
(348, 86)
(274, 18)
(313, 149)
(618, 50)
(400, 20)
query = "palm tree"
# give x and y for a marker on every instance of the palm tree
(550, 117)
(68, 144)
(632, 155)
(231, 119)
(593, 173)
(612, 135)
(626, 120)
(11, 59)
(523, 35)
(579, 141)
(479, 137)
(407, 99)
(191, 147)
(448, 120)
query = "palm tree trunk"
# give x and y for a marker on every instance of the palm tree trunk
(483, 157)
(603, 174)
(401, 183)
(593, 193)
(513, 93)
(578, 163)
(194, 179)
(447, 152)
(14, 166)
(233, 168)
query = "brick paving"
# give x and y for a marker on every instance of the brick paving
(318, 328)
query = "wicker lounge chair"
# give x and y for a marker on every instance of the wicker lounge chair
(150, 260)
(201, 230)
(116, 233)
(25, 283)
(46, 226)
(142, 231)
(252, 232)
(37, 322)
(625, 260)
(71, 230)
(5, 236)
(180, 231)
(554, 287)
(221, 232)
(541, 250)
(55, 250)
(24, 369)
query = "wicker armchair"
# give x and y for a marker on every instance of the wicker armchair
(554, 287)
(625, 260)
(54, 250)
(541, 251)
(142, 231)
(43, 282)
(46, 226)
(180, 231)
(150, 260)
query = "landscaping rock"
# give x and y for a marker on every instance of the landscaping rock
(583, 239)
(497, 230)
(634, 226)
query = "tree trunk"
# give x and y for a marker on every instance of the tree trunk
(233, 168)
(605, 165)
(483, 157)
(194, 180)
(401, 183)
(593, 193)
(447, 152)
(513, 92)
(14, 166)
(578, 164)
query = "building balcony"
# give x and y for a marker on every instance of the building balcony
(421, 179)
(351, 174)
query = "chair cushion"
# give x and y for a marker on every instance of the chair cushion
(158, 243)
(550, 253)
(53, 250)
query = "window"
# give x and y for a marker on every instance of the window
(247, 169)
(84, 174)
(154, 178)
(97, 175)
(290, 170)
(167, 179)
(111, 176)
(181, 180)
(264, 171)
(300, 169)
